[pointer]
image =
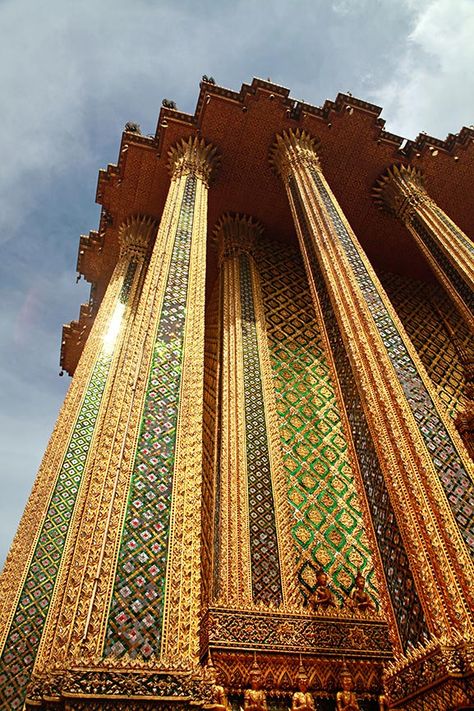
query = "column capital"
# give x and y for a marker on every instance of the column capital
(193, 156)
(399, 190)
(135, 235)
(236, 234)
(292, 149)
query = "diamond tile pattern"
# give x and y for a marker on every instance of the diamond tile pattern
(413, 302)
(266, 583)
(26, 629)
(136, 612)
(452, 472)
(328, 529)
(400, 583)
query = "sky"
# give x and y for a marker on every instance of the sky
(73, 73)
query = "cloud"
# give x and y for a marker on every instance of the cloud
(75, 72)
(433, 89)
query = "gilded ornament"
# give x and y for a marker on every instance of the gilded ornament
(346, 699)
(302, 699)
(322, 595)
(255, 698)
(193, 157)
(359, 599)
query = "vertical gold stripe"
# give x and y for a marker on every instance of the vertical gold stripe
(103, 498)
(451, 244)
(283, 520)
(437, 231)
(67, 604)
(235, 569)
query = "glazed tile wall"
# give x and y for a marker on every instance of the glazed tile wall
(266, 582)
(462, 289)
(414, 302)
(328, 529)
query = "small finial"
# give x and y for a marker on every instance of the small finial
(132, 127)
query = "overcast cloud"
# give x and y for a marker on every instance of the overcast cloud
(72, 74)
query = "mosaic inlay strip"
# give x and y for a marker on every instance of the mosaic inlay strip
(266, 582)
(459, 285)
(453, 228)
(211, 400)
(22, 643)
(328, 529)
(405, 601)
(136, 613)
(413, 302)
(218, 493)
(446, 460)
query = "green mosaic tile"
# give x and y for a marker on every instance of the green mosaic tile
(327, 531)
(401, 587)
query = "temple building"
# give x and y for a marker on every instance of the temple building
(259, 490)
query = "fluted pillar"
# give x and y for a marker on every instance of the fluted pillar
(252, 557)
(132, 586)
(425, 466)
(450, 253)
(154, 603)
(29, 585)
(152, 612)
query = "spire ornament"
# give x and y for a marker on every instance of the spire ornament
(135, 236)
(399, 190)
(236, 234)
(292, 149)
(193, 157)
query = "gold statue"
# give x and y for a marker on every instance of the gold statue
(321, 595)
(359, 598)
(346, 700)
(255, 698)
(302, 699)
(218, 696)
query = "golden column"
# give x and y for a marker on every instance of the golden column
(252, 560)
(448, 250)
(132, 586)
(29, 583)
(425, 466)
